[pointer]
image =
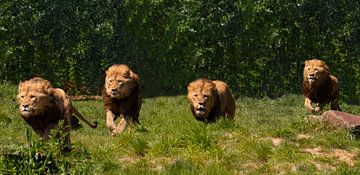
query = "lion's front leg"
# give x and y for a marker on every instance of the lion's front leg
(319, 108)
(42, 133)
(334, 104)
(46, 132)
(110, 121)
(67, 128)
(124, 122)
(67, 122)
(308, 106)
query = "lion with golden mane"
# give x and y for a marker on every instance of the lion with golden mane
(42, 107)
(210, 99)
(319, 86)
(121, 97)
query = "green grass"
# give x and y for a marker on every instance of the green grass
(268, 136)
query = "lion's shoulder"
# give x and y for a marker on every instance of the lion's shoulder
(334, 79)
(58, 93)
(221, 86)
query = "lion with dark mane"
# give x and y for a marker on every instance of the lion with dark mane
(319, 86)
(43, 106)
(210, 99)
(121, 97)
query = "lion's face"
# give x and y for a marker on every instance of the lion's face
(201, 97)
(33, 96)
(315, 71)
(119, 81)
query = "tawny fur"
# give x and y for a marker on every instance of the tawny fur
(210, 100)
(43, 106)
(319, 86)
(121, 96)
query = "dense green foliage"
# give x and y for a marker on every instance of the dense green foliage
(257, 46)
(267, 136)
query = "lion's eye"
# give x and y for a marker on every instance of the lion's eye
(22, 96)
(32, 97)
(206, 96)
(195, 95)
(110, 81)
(120, 81)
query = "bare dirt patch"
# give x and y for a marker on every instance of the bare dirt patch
(346, 156)
(323, 166)
(85, 97)
(303, 137)
(158, 164)
(317, 151)
(275, 141)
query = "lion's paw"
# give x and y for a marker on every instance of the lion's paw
(113, 133)
(317, 109)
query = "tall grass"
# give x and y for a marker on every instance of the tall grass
(268, 136)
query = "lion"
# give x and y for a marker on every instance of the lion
(210, 99)
(319, 86)
(121, 97)
(42, 107)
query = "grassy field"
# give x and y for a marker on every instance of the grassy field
(268, 136)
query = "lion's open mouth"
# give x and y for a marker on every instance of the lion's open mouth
(200, 110)
(115, 95)
(25, 112)
(311, 79)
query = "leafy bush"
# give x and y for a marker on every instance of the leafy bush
(258, 47)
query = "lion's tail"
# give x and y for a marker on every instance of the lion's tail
(79, 116)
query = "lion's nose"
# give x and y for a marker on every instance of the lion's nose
(113, 90)
(25, 107)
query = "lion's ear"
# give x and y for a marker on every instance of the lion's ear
(326, 67)
(21, 84)
(134, 76)
(50, 91)
(190, 87)
(306, 62)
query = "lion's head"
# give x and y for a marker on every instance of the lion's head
(201, 96)
(33, 96)
(120, 81)
(315, 71)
